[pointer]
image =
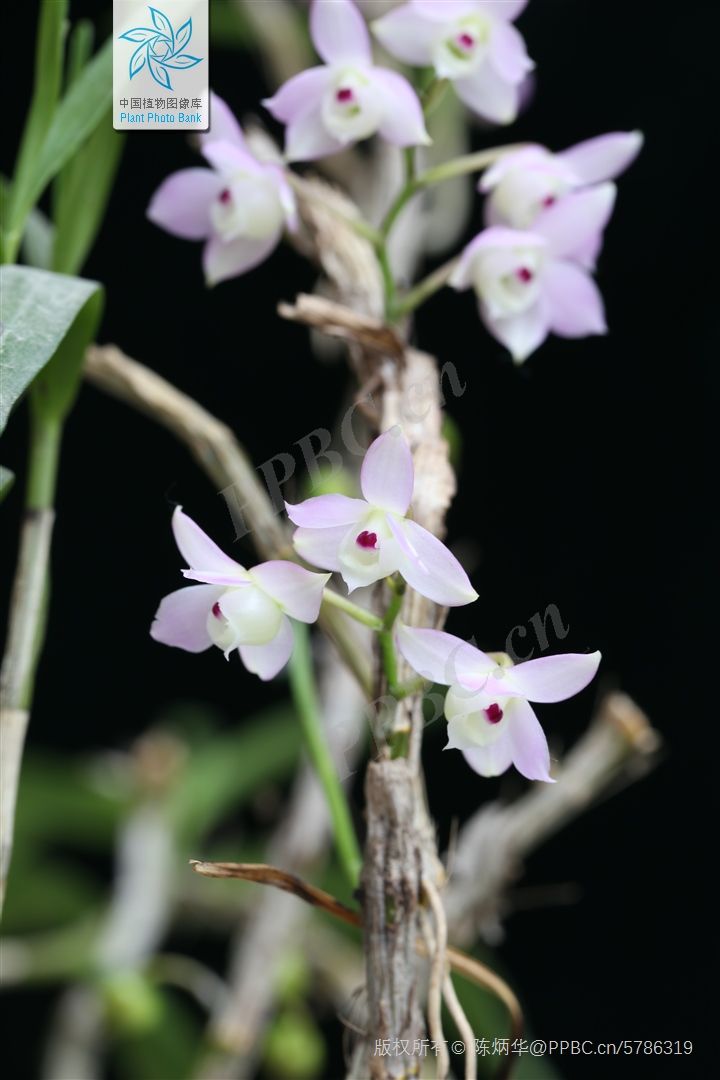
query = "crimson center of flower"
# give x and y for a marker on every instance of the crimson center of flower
(344, 95)
(366, 539)
(549, 200)
(493, 713)
(216, 611)
(466, 41)
(225, 196)
(524, 275)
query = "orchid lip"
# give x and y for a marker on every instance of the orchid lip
(366, 539)
(493, 713)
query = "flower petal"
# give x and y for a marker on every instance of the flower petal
(444, 10)
(530, 753)
(522, 334)
(298, 591)
(228, 158)
(223, 259)
(444, 658)
(307, 138)
(489, 95)
(429, 567)
(403, 122)
(253, 616)
(181, 619)
(508, 54)
(326, 511)
(320, 547)
(573, 220)
(553, 678)
(407, 35)
(491, 760)
(181, 205)
(267, 660)
(604, 157)
(339, 32)
(199, 551)
(299, 94)
(223, 125)
(387, 476)
(507, 10)
(573, 302)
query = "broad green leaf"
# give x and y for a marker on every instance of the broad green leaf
(38, 241)
(48, 78)
(87, 181)
(41, 311)
(80, 46)
(7, 479)
(76, 117)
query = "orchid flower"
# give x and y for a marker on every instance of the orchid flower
(347, 99)
(490, 719)
(240, 206)
(524, 183)
(530, 284)
(471, 42)
(236, 608)
(371, 538)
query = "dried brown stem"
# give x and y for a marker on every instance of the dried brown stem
(264, 874)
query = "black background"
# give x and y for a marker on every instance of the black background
(580, 487)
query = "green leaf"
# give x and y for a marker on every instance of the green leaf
(38, 241)
(48, 78)
(76, 117)
(87, 181)
(7, 479)
(45, 315)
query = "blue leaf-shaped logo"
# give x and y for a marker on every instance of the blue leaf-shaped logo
(183, 35)
(161, 49)
(137, 61)
(179, 63)
(161, 21)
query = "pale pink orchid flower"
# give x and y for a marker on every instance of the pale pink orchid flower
(531, 284)
(524, 183)
(369, 539)
(347, 99)
(471, 42)
(240, 206)
(487, 707)
(236, 608)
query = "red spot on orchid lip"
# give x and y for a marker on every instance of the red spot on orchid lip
(225, 195)
(216, 611)
(366, 539)
(524, 275)
(494, 713)
(466, 40)
(344, 94)
(549, 200)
